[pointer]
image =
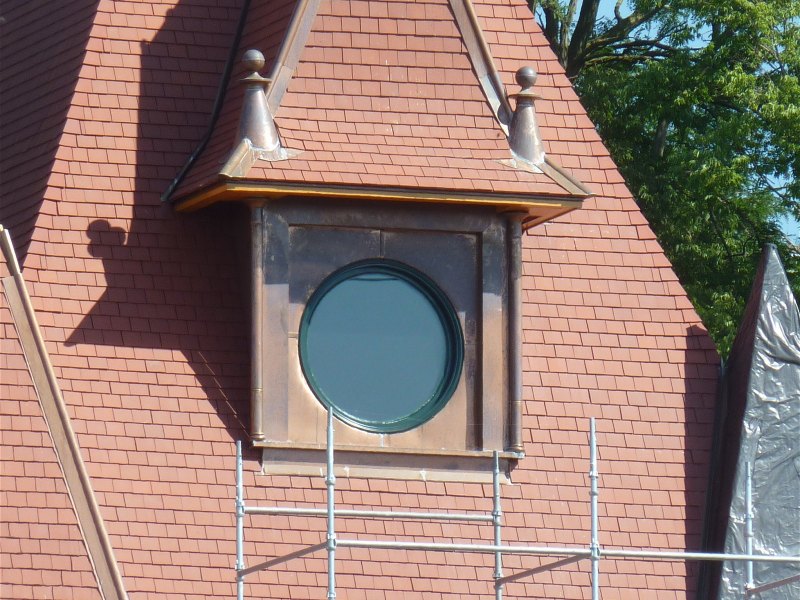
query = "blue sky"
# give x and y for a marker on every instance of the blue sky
(791, 227)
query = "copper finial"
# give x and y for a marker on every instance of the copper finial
(523, 134)
(254, 60)
(256, 122)
(526, 78)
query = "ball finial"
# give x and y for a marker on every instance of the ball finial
(526, 77)
(254, 60)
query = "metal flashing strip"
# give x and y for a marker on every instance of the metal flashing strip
(289, 55)
(227, 191)
(65, 442)
(564, 179)
(481, 57)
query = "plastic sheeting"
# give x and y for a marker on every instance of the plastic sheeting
(769, 340)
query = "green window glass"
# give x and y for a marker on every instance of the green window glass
(382, 345)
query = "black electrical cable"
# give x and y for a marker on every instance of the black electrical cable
(217, 108)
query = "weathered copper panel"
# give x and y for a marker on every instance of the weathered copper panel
(317, 251)
(273, 331)
(493, 337)
(463, 250)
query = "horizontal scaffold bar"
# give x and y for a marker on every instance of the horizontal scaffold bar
(366, 514)
(477, 548)
(558, 551)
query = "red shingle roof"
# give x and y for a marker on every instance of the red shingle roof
(42, 554)
(143, 312)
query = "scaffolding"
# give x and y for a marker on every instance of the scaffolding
(565, 555)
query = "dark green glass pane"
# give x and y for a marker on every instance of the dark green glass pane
(382, 345)
(376, 347)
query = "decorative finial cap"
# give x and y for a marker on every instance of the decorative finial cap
(526, 78)
(254, 60)
(256, 122)
(523, 132)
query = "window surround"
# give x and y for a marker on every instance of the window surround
(290, 241)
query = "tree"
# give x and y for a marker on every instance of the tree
(699, 103)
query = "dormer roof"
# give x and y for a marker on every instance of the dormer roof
(400, 100)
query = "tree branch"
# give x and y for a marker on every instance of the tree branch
(644, 44)
(551, 32)
(617, 14)
(622, 29)
(566, 24)
(581, 36)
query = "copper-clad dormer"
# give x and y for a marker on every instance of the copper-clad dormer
(390, 175)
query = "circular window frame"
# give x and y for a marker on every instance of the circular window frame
(451, 326)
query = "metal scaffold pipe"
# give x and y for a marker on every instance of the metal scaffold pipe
(367, 514)
(595, 541)
(497, 518)
(240, 510)
(330, 482)
(748, 499)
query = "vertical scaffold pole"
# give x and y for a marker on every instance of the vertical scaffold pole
(330, 482)
(497, 520)
(595, 543)
(748, 495)
(239, 523)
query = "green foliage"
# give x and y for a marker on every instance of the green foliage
(699, 104)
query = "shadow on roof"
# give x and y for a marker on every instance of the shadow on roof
(175, 283)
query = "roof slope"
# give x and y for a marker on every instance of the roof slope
(42, 552)
(42, 49)
(156, 375)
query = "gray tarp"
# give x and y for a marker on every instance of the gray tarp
(768, 394)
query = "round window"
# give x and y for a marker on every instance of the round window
(382, 345)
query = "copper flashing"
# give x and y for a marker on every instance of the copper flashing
(523, 134)
(258, 136)
(65, 442)
(289, 56)
(526, 142)
(564, 179)
(538, 208)
(256, 122)
(482, 62)
(257, 323)
(514, 226)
